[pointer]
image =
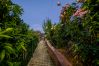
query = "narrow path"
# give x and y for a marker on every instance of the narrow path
(41, 56)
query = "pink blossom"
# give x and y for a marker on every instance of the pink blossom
(80, 12)
(83, 13)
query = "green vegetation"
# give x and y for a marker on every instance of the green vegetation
(79, 35)
(17, 41)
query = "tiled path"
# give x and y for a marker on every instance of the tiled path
(41, 56)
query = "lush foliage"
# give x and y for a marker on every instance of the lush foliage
(78, 31)
(17, 41)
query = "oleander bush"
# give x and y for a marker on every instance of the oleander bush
(77, 31)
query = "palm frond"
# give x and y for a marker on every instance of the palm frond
(2, 55)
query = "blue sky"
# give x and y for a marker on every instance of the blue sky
(36, 11)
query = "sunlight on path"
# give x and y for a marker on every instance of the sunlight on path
(41, 56)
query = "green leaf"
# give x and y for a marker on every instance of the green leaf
(10, 64)
(16, 63)
(2, 55)
(9, 49)
(97, 39)
(4, 36)
(23, 47)
(7, 44)
(8, 30)
(0, 30)
(97, 62)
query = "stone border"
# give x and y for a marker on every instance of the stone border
(59, 59)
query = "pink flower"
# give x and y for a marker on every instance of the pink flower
(83, 13)
(80, 12)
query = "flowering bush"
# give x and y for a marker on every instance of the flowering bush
(82, 31)
(80, 12)
(66, 13)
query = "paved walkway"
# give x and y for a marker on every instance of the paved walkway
(40, 56)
